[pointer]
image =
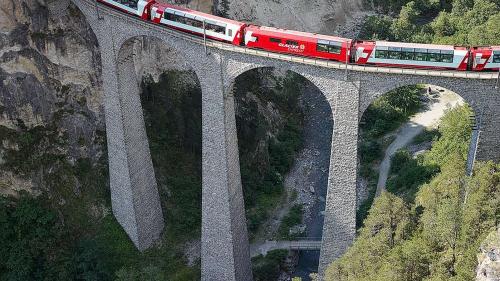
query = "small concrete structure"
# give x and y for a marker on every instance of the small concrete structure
(298, 245)
(225, 251)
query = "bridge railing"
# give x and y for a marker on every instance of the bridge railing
(296, 59)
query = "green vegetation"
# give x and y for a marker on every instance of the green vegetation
(457, 22)
(268, 268)
(437, 236)
(384, 115)
(407, 174)
(172, 113)
(427, 135)
(68, 233)
(267, 141)
(294, 217)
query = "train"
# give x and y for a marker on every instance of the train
(312, 45)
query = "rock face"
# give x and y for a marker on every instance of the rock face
(489, 258)
(49, 76)
(322, 16)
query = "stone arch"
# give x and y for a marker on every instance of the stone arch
(469, 91)
(320, 98)
(146, 223)
(480, 95)
(411, 130)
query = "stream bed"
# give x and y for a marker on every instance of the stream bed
(309, 175)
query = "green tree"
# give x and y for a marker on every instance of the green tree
(455, 130)
(386, 226)
(487, 33)
(404, 27)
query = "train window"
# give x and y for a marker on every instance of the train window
(420, 54)
(182, 19)
(407, 54)
(335, 47)
(381, 54)
(434, 56)
(322, 48)
(215, 28)
(229, 32)
(129, 3)
(447, 56)
(394, 55)
(329, 46)
(274, 40)
(292, 43)
(496, 57)
(168, 16)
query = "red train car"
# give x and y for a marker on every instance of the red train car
(298, 43)
(410, 55)
(485, 58)
(139, 8)
(193, 22)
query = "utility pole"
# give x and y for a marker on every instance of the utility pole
(346, 60)
(97, 11)
(205, 37)
(498, 79)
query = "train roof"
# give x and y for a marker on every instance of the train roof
(496, 48)
(415, 45)
(196, 13)
(292, 34)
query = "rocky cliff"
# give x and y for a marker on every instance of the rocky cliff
(322, 16)
(49, 88)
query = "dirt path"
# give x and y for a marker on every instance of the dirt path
(428, 118)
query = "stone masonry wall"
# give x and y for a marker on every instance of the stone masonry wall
(225, 254)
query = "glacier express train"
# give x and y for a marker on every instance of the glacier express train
(381, 53)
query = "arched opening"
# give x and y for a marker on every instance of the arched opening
(284, 126)
(169, 93)
(431, 204)
(397, 131)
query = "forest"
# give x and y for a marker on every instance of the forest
(433, 219)
(454, 22)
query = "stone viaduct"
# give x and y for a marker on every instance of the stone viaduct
(225, 249)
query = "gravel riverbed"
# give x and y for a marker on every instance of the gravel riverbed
(309, 175)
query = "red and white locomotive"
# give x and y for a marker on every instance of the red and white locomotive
(297, 43)
(381, 53)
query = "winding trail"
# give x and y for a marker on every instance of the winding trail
(439, 102)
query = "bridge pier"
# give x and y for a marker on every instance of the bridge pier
(134, 195)
(225, 253)
(489, 135)
(339, 228)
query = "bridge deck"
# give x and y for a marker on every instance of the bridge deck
(302, 60)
